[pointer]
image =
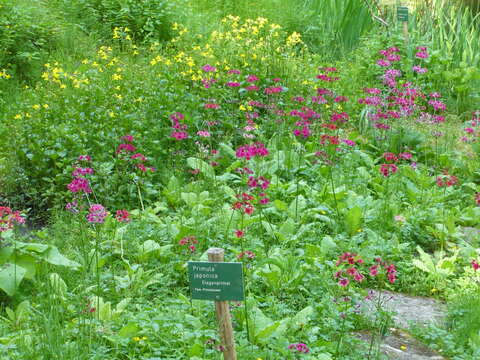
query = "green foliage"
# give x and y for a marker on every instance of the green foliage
(27, 33)
(140, 20)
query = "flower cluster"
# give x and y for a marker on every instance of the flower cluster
(389, 167)
(390, 270)
(247, 254)
(250, 151)
(8, 218)
(299, 348)
(352, 262)
(475, 265)
(128, 152)
(244, 203)
(446, 180)
(190, 242)
(96, 214)
(122, 216)
(178, 132)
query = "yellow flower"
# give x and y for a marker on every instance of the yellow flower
(359, 230)
(111, 114)
(434, 290)
(17, 117)
(45, 106)
(116, 77)
(403, 347)
(36, 106)
(85, 61)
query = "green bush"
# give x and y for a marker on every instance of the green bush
(146, 19)
(27, 33)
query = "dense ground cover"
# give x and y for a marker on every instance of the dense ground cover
(326, 173)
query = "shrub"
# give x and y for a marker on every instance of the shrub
(26, 34)
(146, 19)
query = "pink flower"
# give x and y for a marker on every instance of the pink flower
(423, 54)
(388, 169)
(79, 185)
(78, 172)
(299, 347)
(84, 158)
(384, 63)
(419, 69)
(139, 156)
(127, 138)
(273, 90)
(374, 270)
(234, 71)
(264, 201)
(252, 78)
(475, 265)
(211, 106)
(232, 84)
(8, 218)
(203, 133)
(209, 68)
(96, 214)
(477, 198)
(252, 88)
(122, 216)
(343, 282)
(246, 254)
(179, 135)
(239, 233)
(125, 148)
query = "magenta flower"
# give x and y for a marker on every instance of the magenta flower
(475, 265)
(179, 135)
(125, 148)
(232, 84)
(84, 158)
(299, 347)
(96, 214)
(477, 198)
(419, 69)
(8, 218)
(343, 282)
(79, 185)
(234, 71)
(384, 63)
(211, 106)
(78, 172)
(122, 216)
(203, 133)
(127, 138)
(209, 68)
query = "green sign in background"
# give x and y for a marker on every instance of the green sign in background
(219, 281)
(402, 13)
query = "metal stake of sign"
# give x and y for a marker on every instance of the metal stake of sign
(222, 310)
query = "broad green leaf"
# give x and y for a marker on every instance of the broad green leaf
(28, 262)
(297, 208)
(195, 350)
(129, 330)
(10, 277)
(280, 205)
(353, 219)
(302, 317)
(54, 257)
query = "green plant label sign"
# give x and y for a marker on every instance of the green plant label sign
(219, 281)
(402, 13)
